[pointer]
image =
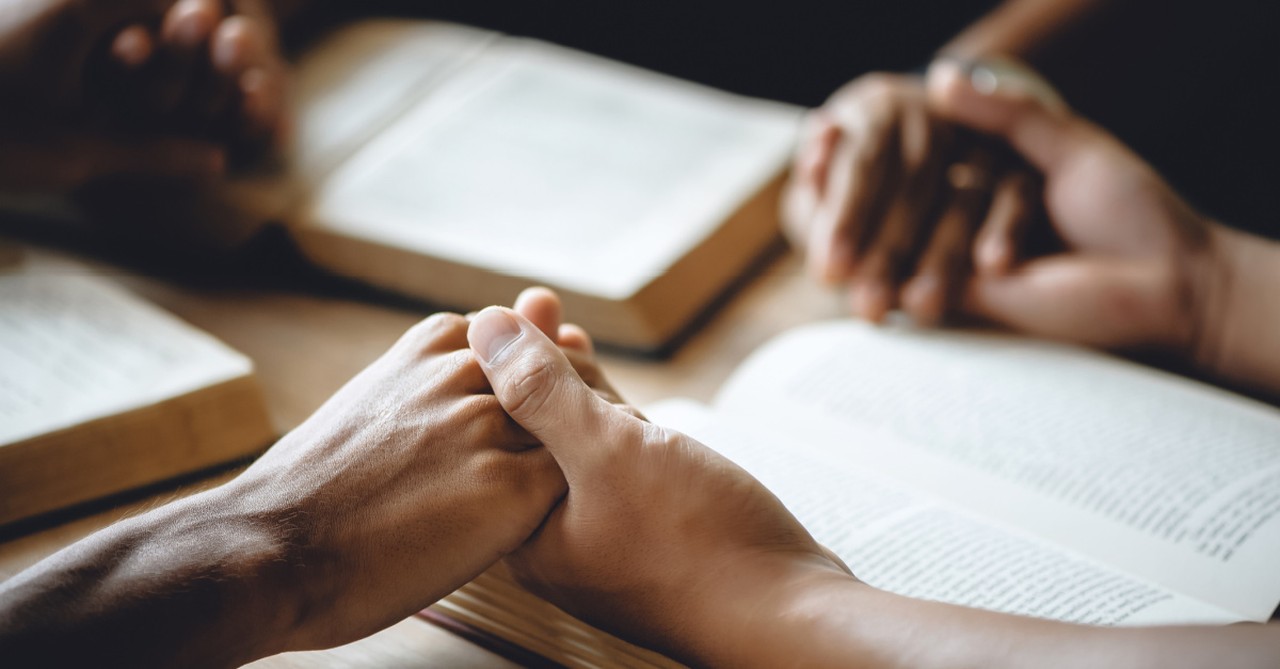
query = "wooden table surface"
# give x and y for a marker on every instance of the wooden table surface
(306, 345)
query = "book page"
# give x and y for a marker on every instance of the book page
(913, 544)
(74, 347)
(346, 89)
(542, 162)
(1152, 473)
(353, 84)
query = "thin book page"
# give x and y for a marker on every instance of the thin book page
(1139, 469)
(914, 544)
(347, 89)
(74, 348)
(542, 162)
(354, 84)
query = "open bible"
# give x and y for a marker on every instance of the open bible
(985, 470)
(459, 166)
(101, 392)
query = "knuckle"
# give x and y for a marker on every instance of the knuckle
(629, 410)
(478, 418)
(660, 437)
(492, 467)
(433, 328)
(877, 85)
(465, 369)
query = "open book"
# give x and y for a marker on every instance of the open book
(459, 166)
(101, 392)
(983, 470)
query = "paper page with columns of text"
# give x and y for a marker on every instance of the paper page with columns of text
(922, 546)
(1170, 480)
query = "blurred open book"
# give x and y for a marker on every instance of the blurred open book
(458, 166)
(101, 391)
(983, 470)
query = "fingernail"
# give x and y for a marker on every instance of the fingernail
(984, 80)
(491, 332)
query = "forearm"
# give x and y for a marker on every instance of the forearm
(1030, 30)
(195, 583)
(1240, 317)
(848, 624)
(1124, 63)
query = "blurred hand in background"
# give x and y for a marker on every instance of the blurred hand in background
(900, 205)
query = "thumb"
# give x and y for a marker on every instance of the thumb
(1009, 101)
(538, 387)
(1098, 302)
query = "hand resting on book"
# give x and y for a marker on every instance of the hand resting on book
(417, 476)
(665, 543)
(661, 539)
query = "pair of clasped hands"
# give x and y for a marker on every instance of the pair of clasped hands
(155, 89)
(929, 197)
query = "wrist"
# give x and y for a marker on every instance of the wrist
(247, 561)
(766, 614)
(1236, 316)
(197, 575)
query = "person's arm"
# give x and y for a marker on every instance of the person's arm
(406, 484)
(666, 543)
(898, 207)
(1241, 324)
(842, 623)
(204, 582)
(1034, 31)
(1137, 268)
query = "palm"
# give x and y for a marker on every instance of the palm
(1106, 200)
(1130, 272)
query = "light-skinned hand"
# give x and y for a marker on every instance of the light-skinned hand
(658, 535)
(1137, 262)
(887, 198)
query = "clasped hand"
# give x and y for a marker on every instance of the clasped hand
(976, 191)
(477, 438)
(137, 88)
